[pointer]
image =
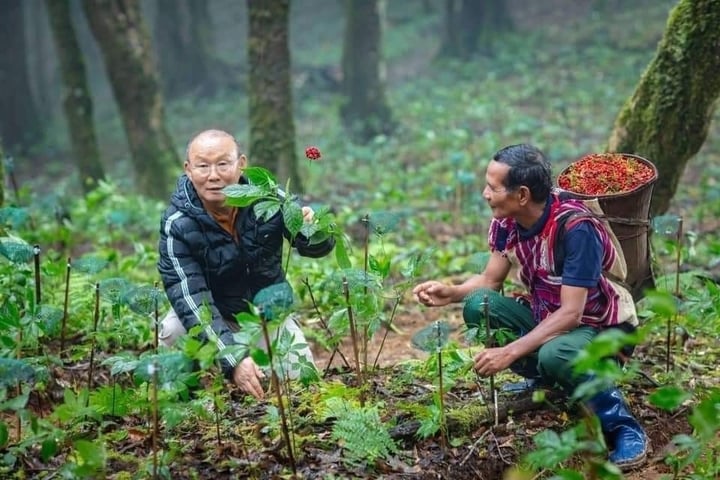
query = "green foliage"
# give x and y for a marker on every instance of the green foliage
(13, 371)
(359, 431)
(696, 451)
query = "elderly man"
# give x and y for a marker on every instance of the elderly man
(570, 299)
(221, 256)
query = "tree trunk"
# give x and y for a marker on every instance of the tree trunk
(2, 177)
(473, 26)
(666, 119)
(272, 128)
(183, 43)
(125, 45)
(365, 112)
(19, 122)
(77, 101)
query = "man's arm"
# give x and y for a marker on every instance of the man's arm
(187, 290)
(564, 319)
(436, 294)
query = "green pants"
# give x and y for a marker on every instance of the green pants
(552, 361)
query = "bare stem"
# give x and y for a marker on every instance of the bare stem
(489, 344)
(96, 319)
(65, 307)
(387, 330)
(353, 334)
(324, 324)
(281, 406)
(156, 421)
(366, 221)
(36, 255)
(678, 257)
(156, 316)
(443, 439)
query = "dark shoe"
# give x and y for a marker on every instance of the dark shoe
(621, 429)
(526, 385)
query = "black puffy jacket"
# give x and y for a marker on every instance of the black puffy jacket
(201, 264)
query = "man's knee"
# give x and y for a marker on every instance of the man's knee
(555, 361)
(474, 309)
(171, 328)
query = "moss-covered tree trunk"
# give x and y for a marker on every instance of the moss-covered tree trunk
(77, 101)
(365, 111)
(272, 127)
(666, 119)
(124, 41)
(19, 122)
(473, 26)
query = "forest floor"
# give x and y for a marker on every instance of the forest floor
(503, 445)
(246, 443)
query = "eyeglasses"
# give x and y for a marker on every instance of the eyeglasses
(223, 166)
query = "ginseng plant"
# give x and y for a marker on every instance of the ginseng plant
(263, 337)
(432, 339)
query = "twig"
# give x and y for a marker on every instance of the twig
(497, 445)
(474, 446)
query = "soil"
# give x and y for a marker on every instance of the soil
(244, 444)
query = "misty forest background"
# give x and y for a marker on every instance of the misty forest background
(407, 100)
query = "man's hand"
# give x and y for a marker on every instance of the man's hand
(247, 376)
(492, 360)
(308, 214)
(433, 293)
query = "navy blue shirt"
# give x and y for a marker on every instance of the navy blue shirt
(582, 266)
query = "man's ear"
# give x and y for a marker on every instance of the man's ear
(186, 167)
(524, 196)
(242, 161)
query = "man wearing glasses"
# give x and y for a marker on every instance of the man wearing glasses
(219, 256)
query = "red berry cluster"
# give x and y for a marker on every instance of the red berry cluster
(313, 153)
(605, 174)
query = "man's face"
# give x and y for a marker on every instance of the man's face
(213, 164)
(503, 203)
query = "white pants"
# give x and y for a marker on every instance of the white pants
(171, 329)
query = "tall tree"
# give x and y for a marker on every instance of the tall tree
(184, 43)
(471, 26)
(77, 101)
(19, 122)
(124, 42)
(272, 127)
(666, 119)
(365, 111)
(2, 177)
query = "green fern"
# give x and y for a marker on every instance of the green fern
(359, 431)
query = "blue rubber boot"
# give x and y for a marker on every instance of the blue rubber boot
(621, 429)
